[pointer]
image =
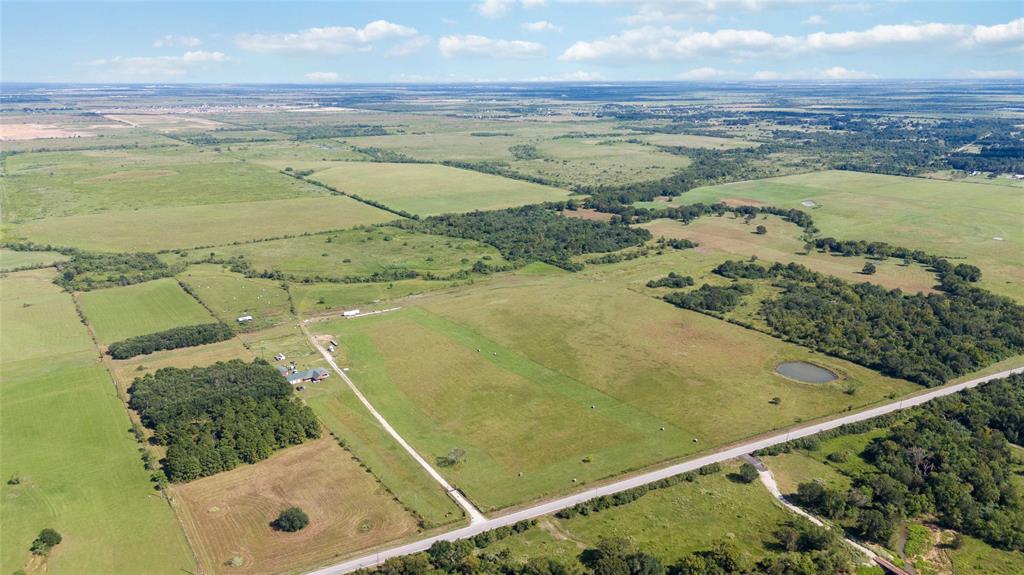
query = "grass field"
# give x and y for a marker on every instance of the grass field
(619, 364)
(80, 473)
(951, 219)
(667, 523)
(317, 298)
(122, 312)
(11, 260)
(728, 235)
(360, 252)
(231, 295)
(228, 515)
(191, 226)
(428, 189)
(693, 141)
(590, 161)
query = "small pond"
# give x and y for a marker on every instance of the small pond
(806, 372)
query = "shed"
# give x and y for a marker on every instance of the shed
(245, 319)
(350, 313)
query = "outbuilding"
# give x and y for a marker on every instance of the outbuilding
(350, 313)
(245, 319)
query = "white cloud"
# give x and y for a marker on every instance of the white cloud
(159, 66)
(840, 73)
(666, 42)
(322, 76)
(473, 45)
(535, 3)
(813, 21)
(542, 26)
(705, 73)
(577, 76)
(494, 8)
(410, 46)
(327, 40)
(995, 74)
(172, 40)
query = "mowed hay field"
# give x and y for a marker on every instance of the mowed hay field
(730, 236)
(951, 219)
(667, 523)
(81, 473)
(231, 295)
(228, 515)
(121, 312)
(560, 392)
(429, 189)
(191, 226)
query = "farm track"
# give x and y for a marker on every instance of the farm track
(481, 524)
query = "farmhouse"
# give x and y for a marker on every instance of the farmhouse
(312, 375)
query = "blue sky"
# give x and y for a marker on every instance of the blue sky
(509, 40)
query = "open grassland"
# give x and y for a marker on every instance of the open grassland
(231, 295)
(68, 184)
(730, 236)
(694, 141)
(314, 298)
(360, 252)
(428, 189)
(951, 219)
(11, 260)
(667, 523)
(305, 155)
(228, 515)
(192, 226)
(596, 161)
(80, 472)
(975, 557)
(122, 312)
(620, 365)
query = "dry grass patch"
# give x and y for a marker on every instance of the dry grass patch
(228, 515)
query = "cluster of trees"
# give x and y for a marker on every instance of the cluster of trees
(213, 418)
(927, 339)
(951, 460)
(672, 280)
(533, 233)
(46, 540)
(946, 270)
(345, 131)
(630, 495)
(86, 271)
(709, 298)
(291, 520)
(525, 152)
(375, 154)
(498, 168)
(174, 338)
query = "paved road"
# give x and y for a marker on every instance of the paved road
(475, 517)
(719, 456)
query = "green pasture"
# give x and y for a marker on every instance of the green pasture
(121, 312)
(953, 219)
(599, 161)
(667, 523)
(695, 141)
(65, 434)
(316, 298)
(69, 184)
(231, 295)
(642, 364)
(191, 226)
(428, 189)
(360, 252)
(11, 260)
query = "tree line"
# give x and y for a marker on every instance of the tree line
(213, 418)
(174, 338)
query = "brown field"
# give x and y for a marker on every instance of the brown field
(587, 214)
(164, 122)
(228, 515)
(735, 202)
(15, 132)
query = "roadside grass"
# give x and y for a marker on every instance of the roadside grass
(951, 219)
(729, 235)
(10, 259)
(121, 312)
(152, 229)
(80, 472)
(667, 523)
(360, 252)
(228, 515)
(231, 295)
(618, 364)
(428, 189)
(67, 184)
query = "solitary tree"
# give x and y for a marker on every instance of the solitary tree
(869, 269)
(46, 540)
(748, 473)
(761, 230)
(291, 520)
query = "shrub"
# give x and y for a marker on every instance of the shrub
(291, 520)
(47, 539)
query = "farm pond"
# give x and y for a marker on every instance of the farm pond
(806, 372)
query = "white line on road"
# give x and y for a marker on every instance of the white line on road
(475, 517)
(724, 454)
